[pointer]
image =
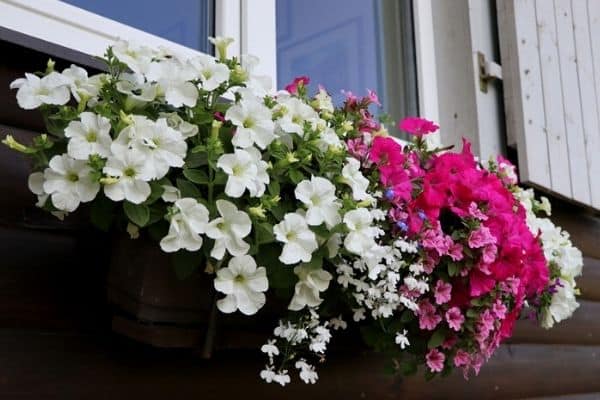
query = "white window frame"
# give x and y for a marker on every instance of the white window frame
(252, 28)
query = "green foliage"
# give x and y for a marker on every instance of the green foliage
(139, 214)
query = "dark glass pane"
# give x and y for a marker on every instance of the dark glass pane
(187, 22)
(350, 44)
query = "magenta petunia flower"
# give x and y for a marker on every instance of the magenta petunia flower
(297, 82)
(417, 126)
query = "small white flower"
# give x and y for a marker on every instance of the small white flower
(353, 177)
(338, 323)
(318, 195)
(253, 122)
(300, 241)
(68, 182)
(173, 78)
(267, 374)
(90, 135)
(80, 84)
(228, 230)
(307, 371)
(361, 237)
(133, 175)
(563, 305)
(319, 342)
(282, 377)
(310, 283)
(162, 145)
(243, 284)
(359, 314)
(170, 194)
(36, 185)
(212, 74)
(35, 91)
(270, 349)
(402, 340)
(246, 170)
(188, 220)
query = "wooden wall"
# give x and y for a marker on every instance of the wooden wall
(55, 324)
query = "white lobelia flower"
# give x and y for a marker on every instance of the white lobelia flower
(318, 195)
(90, 135)
(246, 170)
(307, 371)
(68, 182)
(310, 283)
(136, 57)
(563, 305)
(361, 236)
(173, 78)
(253, 122)
(162, 145)
(295, 113)
(212, 73)
(352, 177)
(270, 348)
(80, 84)
(243, 284)
(188, 220)
(229, 230)
(35, 91)
(300, 241)
(402, 340)
(132, 175)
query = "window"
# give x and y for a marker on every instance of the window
(353, 45)
(187, 22)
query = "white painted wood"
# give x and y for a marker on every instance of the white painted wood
(558, 151)
(551, 62)
(426, 64)
(572, 102)
(72, 27)
(259, 34)
(228, 23)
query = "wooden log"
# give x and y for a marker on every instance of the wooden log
(589, 282)
(578, 396)
(584, 228)
(582, 328)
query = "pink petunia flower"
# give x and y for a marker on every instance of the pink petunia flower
(455, 318)
(373, 98)
(428, 318)
(435, 360)
(299, 81)
(417, 126)
(462, 358)
(442, 292)
(481, 237)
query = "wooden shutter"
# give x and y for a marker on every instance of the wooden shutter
(550, 54)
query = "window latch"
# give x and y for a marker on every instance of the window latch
(488, 71)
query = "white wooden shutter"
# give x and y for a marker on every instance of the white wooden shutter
(551, 69)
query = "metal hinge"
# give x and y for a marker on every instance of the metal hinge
(488, 71)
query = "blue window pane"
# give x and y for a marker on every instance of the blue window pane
(187, 22)
(353, 45)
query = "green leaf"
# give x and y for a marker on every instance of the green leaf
(296, 176)
(220, 178)
(139, 214)
(196, 175)
(156, 191)
(186, 263)
(274, 188)
(102, 213)
(264, 233)
(408, 367)
(407, 316)
(453, 269)
(436, 339)
(188, 189)
(316, 262)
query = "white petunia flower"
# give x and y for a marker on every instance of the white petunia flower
(295, 113)
(188, 220)
(136, 57)
(80, 84)
(318, 195)
(402, 340)
(162, 145)
(36, 185)
(176, 122)
(323, 101)
(212, 74)
(361, 238)
(221, 43)
(137, 90)
(353, 177)
(35, 91)
(310, 283)
(253, 122)
(132, 175)
(260, 85)
(68, 182)
(300, 241)
(307, 371)
(228, 230)
(90, 135)
(170, 194)
(243, 284)
(328, 139)
(173, 78)
(563, 304)
(246, 170)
